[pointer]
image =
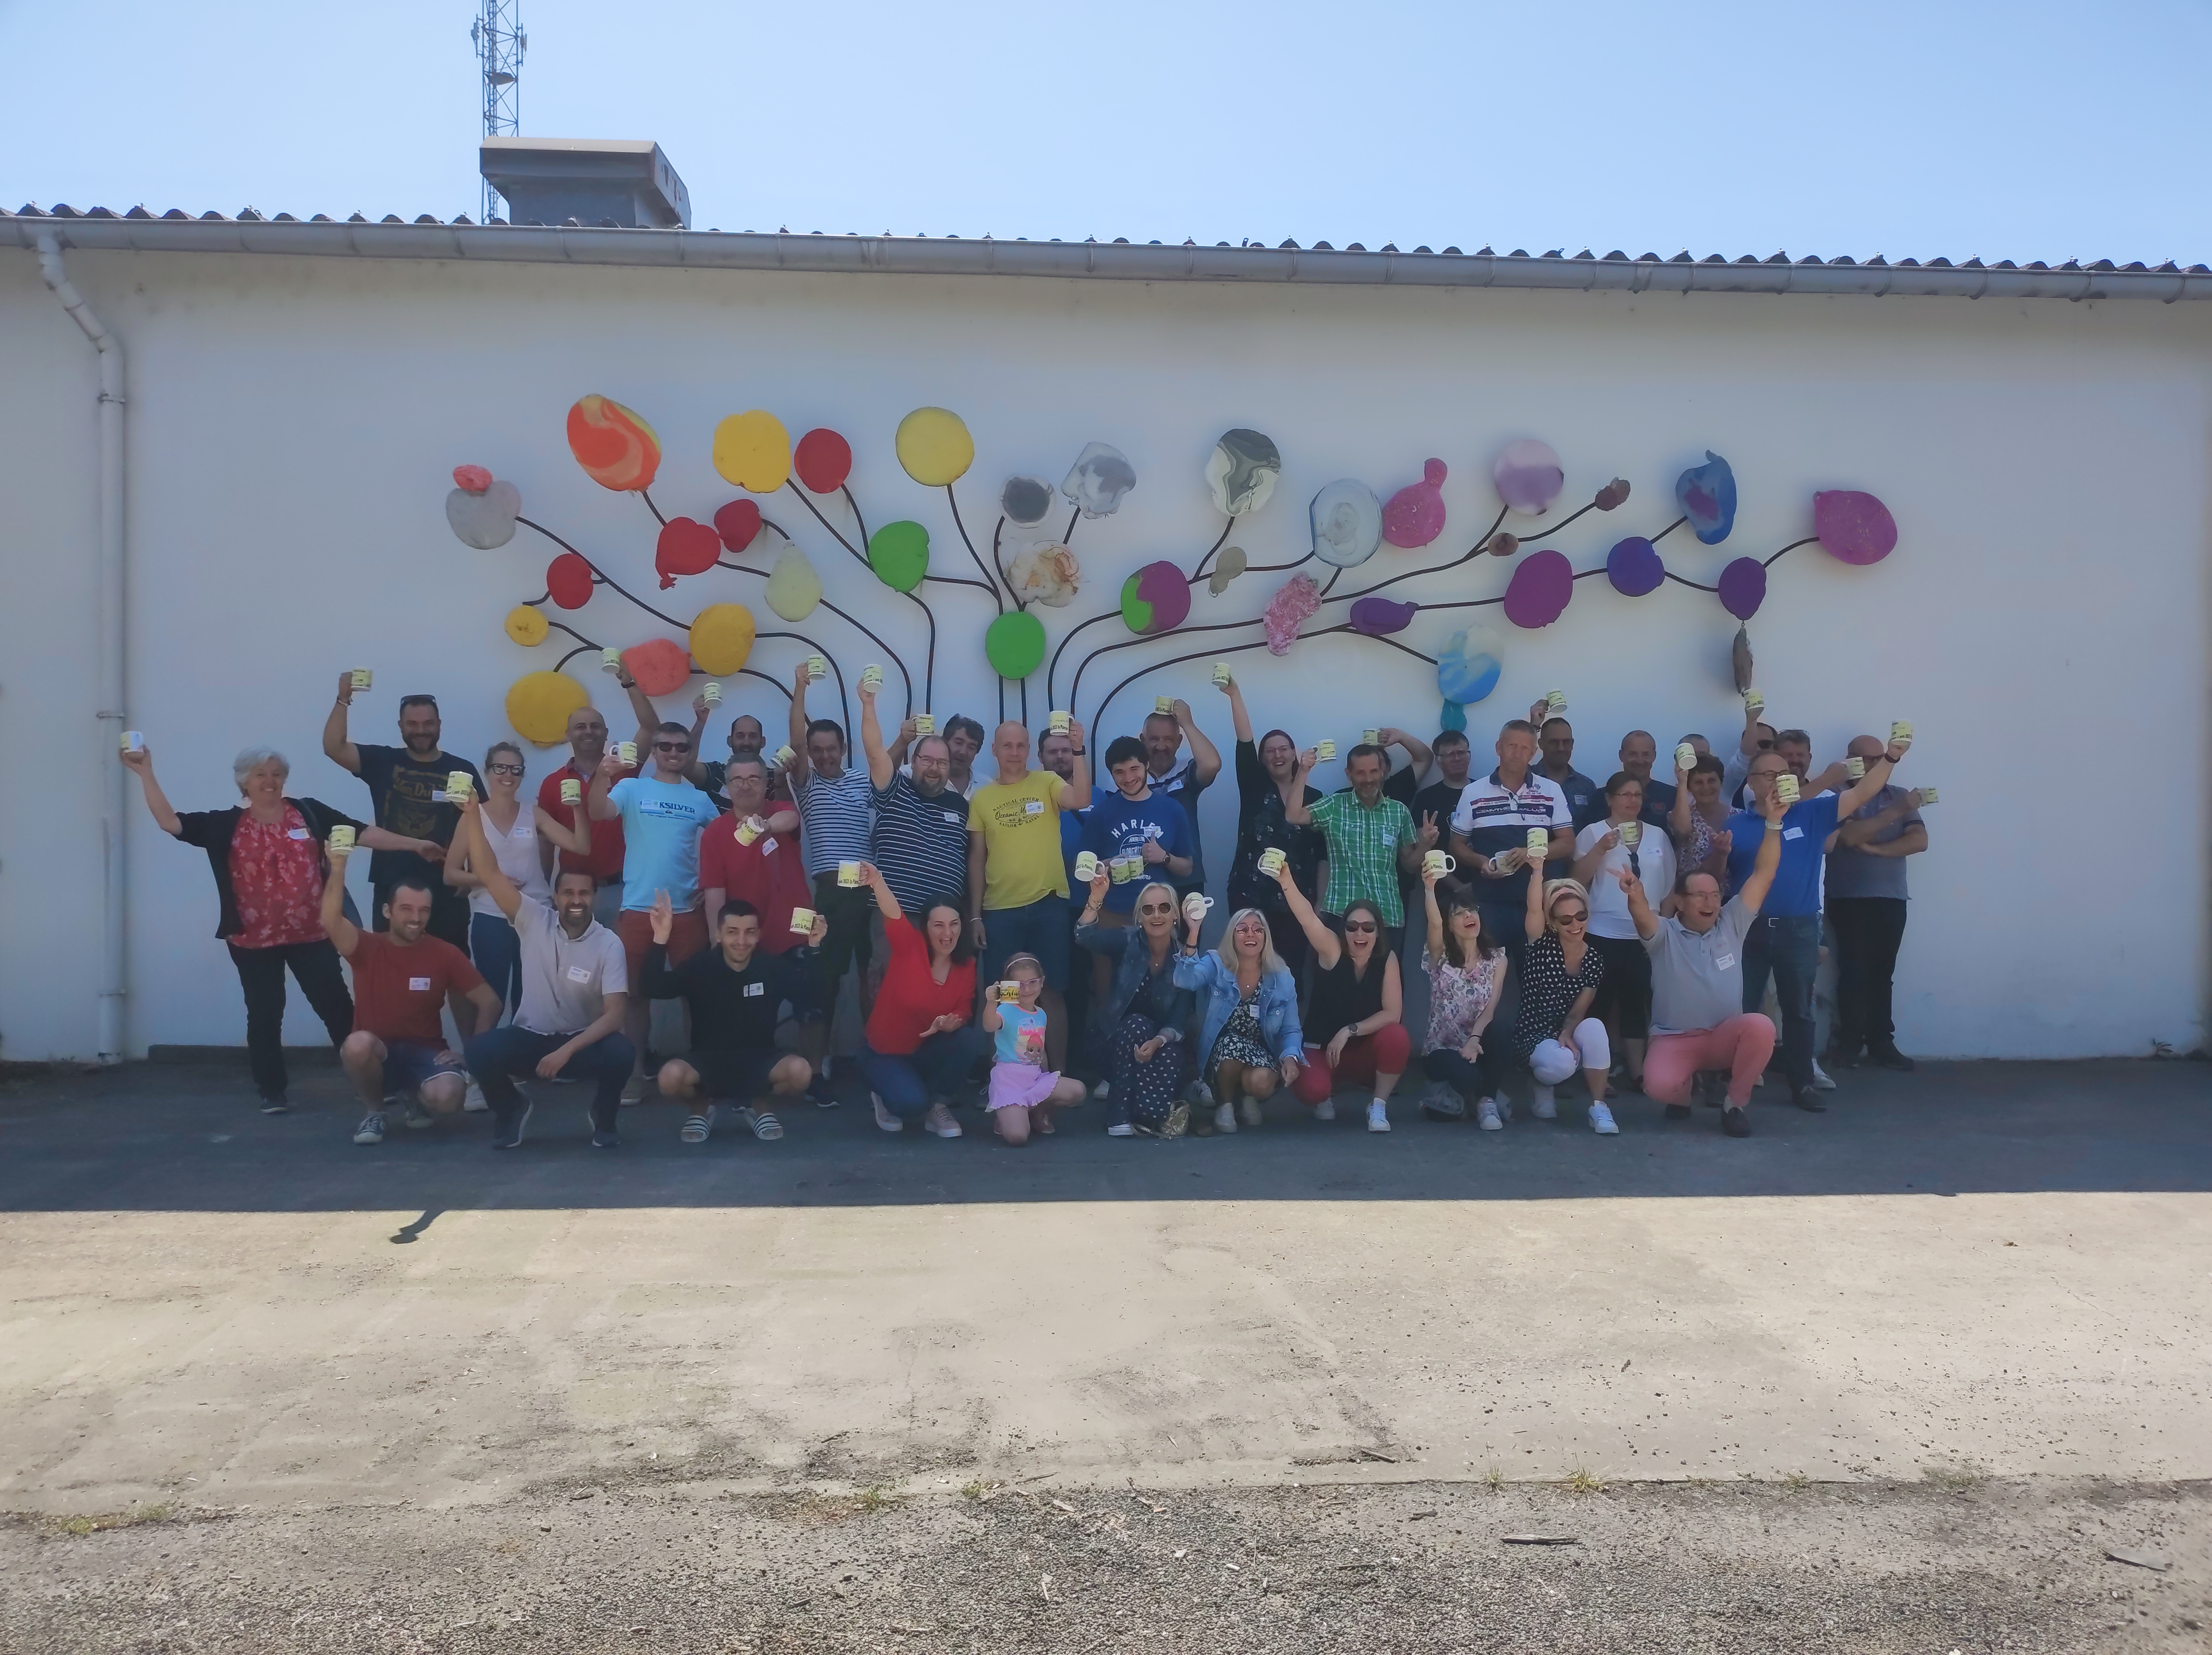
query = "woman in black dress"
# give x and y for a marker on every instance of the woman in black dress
(1266, 774)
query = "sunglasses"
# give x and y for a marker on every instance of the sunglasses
(1569, 919)
(502, 769)
(1350, 925)
(1766, 747)
(672, 747)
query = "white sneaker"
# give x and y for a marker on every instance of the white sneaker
(1379, 1117)
(884, 1119)
(633, 1091)
(1224, 1117)
(1325, 1110)
(1250, 1107)
(1820, 1080)
(1485, 1116)
(1100, 1090)
(939, 1122)
(476, 1104)
(1543, 1108)
(1601, 1119)
(1123, 1129)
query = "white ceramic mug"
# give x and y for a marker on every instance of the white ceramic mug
(1685, 757)
(1056, 723)
(817, 668)
(341, 840)
(750, 829)
(1324, 749)
(1087, 867)
(848, 874)
(363, 678)
(1439, 862)
(1271, 861)
(572, 791)
(802, 921)
(1537, 842)
(1197, 905)
(713, 694)
(609, 661)
(628, 754)
(1631, 832)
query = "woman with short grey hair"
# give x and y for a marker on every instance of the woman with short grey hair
(267, 855)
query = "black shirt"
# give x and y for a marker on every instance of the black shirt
(1261, 826)
(734, 1010)
(400, 789)
(1340, 998)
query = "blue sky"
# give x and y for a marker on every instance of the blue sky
(2022, 132)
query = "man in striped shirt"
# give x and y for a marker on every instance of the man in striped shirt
(922, 828)
(836, 824)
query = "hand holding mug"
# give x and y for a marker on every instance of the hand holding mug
(1101, 883)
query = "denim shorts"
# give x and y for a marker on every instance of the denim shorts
(1041, 929)
(408, 1063)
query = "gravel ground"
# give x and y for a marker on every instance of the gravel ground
(1966, 1567)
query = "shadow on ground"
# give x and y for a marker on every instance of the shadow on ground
(147, 1137)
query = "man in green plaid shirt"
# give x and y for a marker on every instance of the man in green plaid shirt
(1371, 838)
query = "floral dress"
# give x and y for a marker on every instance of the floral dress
(1240, 1040)
(1458, 996)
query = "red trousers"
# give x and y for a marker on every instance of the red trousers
(1741, 1045)
(1388, 1051)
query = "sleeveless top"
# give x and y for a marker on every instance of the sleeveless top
(1339, 999)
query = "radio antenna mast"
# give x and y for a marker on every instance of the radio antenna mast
(498, 37)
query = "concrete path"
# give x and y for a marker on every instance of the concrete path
(1998, 1267)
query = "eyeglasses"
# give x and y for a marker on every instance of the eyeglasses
(502, 769)
(672, 747)
(1350, 925)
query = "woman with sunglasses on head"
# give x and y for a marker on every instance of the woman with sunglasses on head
(1267, 782)
(1357, 1002)
(1467, 969)
(1699, 823)
(1250, 1043)
(1143, 1026)
(514, 831)
(1560, 972)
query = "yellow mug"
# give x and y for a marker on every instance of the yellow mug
(572, 791)
(1855, 767)
(925, 723)
(784, 755)
(1087, 867)
(750, 829)
(1785, 788)
(1537, 842)
(459, 786)
(1928, 796)
(1324, 749)
(1056, 723)
(1164, 704)
(802, 921)
(1370, 738)
(341, 840)
(848, 874)
(363, 678)
(712, 694)
(1221, 673)
(1271, 861)
(628, 754)
(1631, 833)
(1901, 731)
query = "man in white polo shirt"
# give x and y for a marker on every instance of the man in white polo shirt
(1490, 835)
(575, 989)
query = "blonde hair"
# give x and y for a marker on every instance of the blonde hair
(1270, 961)
(1556, 888)
(1175, 902)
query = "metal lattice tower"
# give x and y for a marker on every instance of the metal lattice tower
(498, 37)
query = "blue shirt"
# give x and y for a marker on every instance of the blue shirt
(662, 824)
(1006, 1047)
(1072, 820)
(1121, 826)
(1805, 829)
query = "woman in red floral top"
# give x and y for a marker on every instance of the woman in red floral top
(267, 854)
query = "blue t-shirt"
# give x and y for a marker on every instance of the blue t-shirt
(662, 824)
(1120, 826)
(1072, 820)
(1805, 829)
(1020, 1038)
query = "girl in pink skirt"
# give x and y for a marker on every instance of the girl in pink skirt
(1024, 1093)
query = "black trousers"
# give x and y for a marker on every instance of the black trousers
(1868, 931)
(261, 974)
(1472, 1081)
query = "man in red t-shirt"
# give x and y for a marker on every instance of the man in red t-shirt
(767, 873)
(587, 745)
(400, 980)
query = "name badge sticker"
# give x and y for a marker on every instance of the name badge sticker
(754, 991)
(768, 845)
(418, 984)
(1793, 832)
(1032, 807)
(578, 974)
(1725, 961)
(953, 816)
(297, 833)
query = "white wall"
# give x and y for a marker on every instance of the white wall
(292, 424)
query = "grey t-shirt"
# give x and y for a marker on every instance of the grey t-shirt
(1854, 873)
(1696, 979)
(564, 979)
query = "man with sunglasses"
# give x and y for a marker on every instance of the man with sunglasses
(407, 795)
(662, 816)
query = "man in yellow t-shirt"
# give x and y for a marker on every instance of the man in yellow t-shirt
(1017, 879)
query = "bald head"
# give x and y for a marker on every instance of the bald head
(1010, 746)
(1868, 748)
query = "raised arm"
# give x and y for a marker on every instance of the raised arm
(799, 681)
(1534, 921)
(344, 935)
(1240, 721)
(641, 706)
(881, 765)
(1678, 819)
(483, 865)
(577, 838)
(1639, 911)
(1205, 756)
(157, 803)
(975, 859)
(1417, 750)
(596, 802)
(1761, 876)
(1429, 878)
(1328, 947)
(872, 877)
(1855, 798)
(1078, 784)
(1295, 811)
(338, 746)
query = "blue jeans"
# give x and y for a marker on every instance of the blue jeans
(1789, 945)
(1042, 929)
(941, 1065)
(495, 950)
(498, 1055)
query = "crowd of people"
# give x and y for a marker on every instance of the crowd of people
(1619, 938)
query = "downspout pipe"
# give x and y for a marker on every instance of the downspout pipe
(109, 710)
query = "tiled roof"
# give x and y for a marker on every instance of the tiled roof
(428, 237)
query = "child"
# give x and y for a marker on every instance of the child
(1022, 1092)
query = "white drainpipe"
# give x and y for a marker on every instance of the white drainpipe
(113, 778)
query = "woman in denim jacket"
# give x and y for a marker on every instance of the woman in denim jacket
(1251, 1040)
(1144, 1024)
